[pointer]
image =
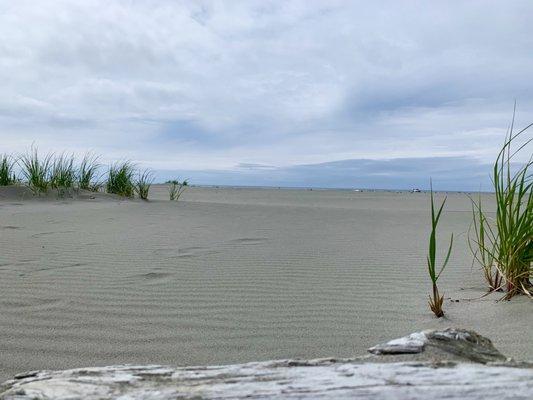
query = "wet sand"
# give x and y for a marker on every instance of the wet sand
(231, 275)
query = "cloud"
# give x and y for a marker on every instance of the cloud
(209, 85)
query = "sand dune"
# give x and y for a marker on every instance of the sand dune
(230, 275)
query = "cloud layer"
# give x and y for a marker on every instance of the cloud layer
(448, 173)
(211, 85)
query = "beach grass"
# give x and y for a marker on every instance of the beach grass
(511, 245)
(505, 244)
(120, 179)
(514, 220)
(87, 173)
(7, 176)
(435, 299)
(142, 184)
(63, 174)
(176, 189)
(482, 242)
(36, 170)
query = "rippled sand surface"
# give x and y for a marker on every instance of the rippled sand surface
(230, 275)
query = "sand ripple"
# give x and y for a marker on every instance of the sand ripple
(226, 277)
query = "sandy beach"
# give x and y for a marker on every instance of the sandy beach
(231, 275)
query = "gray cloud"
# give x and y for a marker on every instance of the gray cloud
(209, 85)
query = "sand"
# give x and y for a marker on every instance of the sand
(231, 275)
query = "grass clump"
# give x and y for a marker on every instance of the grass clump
(120, 179)
(7, 176)
(63, 174)
(436, 300)
(176, 189)
(507, 241)
(143, 183)
(36, 170)
(87, 173)
(482, 248)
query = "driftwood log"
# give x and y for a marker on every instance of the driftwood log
(437, 364)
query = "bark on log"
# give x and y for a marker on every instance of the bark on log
(444, 364)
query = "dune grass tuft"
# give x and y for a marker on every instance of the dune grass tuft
(436, 300)
(7, 176)
(87, 173)
(36, 170)
(505, 244)
(143, 183)
(63, 174)
(482, 248)
(176, 189)
(120, 179)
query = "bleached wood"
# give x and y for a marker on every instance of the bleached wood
(371, 377)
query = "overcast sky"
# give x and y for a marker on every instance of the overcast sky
(258, 92)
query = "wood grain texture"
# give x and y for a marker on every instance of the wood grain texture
(429, 376)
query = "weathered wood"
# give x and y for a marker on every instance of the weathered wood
(448, 344)
(487, 375)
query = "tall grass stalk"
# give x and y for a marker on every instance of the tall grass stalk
(120, 179)
(36, 170)
(482, 246)
(510, 239)
(143, 183)
(436, 300)
(87, 173)
(7, 176)
(176, 189)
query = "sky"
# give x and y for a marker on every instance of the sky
(382, 94)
